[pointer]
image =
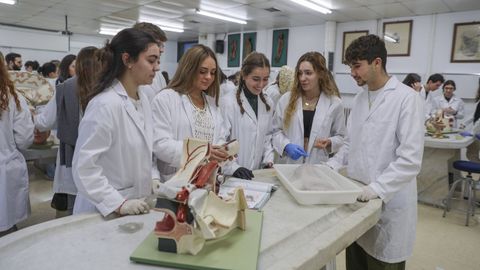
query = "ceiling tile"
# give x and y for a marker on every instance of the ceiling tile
(391, 10)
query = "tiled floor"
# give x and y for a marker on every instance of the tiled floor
(441, 244)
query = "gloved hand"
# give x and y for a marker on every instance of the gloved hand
(367, 194)
(133, 207)
(243, 173)
(466, 133)
(295, 151)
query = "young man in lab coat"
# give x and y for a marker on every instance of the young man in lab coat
(383, 149)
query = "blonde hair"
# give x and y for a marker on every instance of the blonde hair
(187, 71)
(325, 82)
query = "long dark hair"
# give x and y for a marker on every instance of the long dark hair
(64, 68)
(129, 40)
(252, 61)
(87, 67)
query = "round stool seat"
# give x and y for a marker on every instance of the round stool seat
(467, 166)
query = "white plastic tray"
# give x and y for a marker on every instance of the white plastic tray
(349, 193)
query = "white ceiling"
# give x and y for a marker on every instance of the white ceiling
(85, 16)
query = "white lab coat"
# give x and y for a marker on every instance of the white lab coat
(113, 155)
(157, 85)
(16, 132)
(47, 120)
(384, 149)
(254, 135)
(273, 92)
(227, 88)
(455, 103)
(328, 122)
(172, 123)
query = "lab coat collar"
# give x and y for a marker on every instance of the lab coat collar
(321, 110)
(248, 109)
(132, 112)
(389, 86)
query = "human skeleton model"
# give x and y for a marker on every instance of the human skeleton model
(439, 123)
(192, 210)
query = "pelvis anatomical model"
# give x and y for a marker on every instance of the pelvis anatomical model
(193, 213)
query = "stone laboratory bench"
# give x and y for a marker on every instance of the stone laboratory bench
(293, 236)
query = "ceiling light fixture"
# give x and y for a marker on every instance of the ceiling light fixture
(313, 6)
(221, 17)
(109, 31)
(8, 2)
(166, 26)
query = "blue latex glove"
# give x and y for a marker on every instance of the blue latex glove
(466, 133)
(295, 151)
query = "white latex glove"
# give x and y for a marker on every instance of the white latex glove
(367, 194)
(134, 207)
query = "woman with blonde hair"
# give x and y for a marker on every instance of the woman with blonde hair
(309, 121)
(188, 108)
(16, 132)
(248, 115)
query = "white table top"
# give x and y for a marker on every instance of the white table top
(453, 141)
(293, 236)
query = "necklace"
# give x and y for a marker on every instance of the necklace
(195, 106)
(310, 103)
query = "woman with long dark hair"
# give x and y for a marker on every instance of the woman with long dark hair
(16, 132)
(248, 115)
(112, 160)
(66, 69)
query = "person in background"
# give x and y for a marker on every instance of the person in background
(383, 149)
(189, 109)
(112, 161)
(450, 104)
(309, 121)
(159, 35)
(282, 84)
(227, 87)
(165, 76)
(66, 69)
(64, 111)
(32, 66)
(16, 132)
(50, 72)
(248, 116)
(234, 78)
(414, 81)
(14, 61)
(433, 83)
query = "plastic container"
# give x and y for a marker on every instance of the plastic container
(348, 192)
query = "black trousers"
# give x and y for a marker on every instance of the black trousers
(358, 259)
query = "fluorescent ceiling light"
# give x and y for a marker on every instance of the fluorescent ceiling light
(8, 2)
(171, 29)
(166, 26)
(313, 6)
(221, 17)
(109, 31)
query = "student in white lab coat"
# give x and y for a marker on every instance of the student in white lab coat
(159, 83)
(113, 154)
(282, 84)
(449, 103)
(383, 149)
(189, 108)
(309, 121)
(248, 115)
(16, 132)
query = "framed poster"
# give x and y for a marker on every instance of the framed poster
(183, 46)
(348, 37)
(249, 43)
(279, 48)
(465, 44)
(397, 36)
(233, 57)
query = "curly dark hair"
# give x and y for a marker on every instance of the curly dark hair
(367, 48)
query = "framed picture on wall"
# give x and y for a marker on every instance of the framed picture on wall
(348, 37)
(466, 43)
(279, 48)
(233, 57)
(249, 43)
(398, 37)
